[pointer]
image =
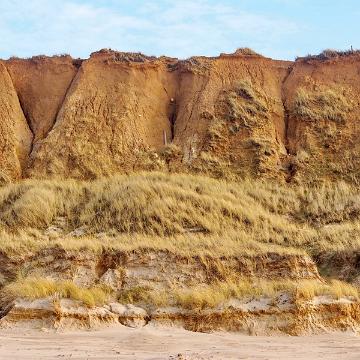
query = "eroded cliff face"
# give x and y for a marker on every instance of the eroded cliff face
(322, 98)
(113, 110)
(41, 84)
(231, 115)
(234, 115)
(15, 135)
(137, 271)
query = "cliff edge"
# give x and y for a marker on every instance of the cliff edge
(232, 116)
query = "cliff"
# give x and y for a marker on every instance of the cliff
(231, 116)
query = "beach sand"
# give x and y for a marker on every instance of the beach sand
(150, 342)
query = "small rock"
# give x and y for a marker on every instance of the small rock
(130, 315)
(81, 231)
(112, 278)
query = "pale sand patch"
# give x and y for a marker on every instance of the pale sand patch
(151, 342)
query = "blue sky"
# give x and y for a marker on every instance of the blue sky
(281, 29)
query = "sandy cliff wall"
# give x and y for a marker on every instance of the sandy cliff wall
(41, 84)
(235, 114)
(322, 99)
(15, 135)
(138, 271)
(113, 110)
(230, 110)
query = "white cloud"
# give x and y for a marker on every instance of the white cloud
(178, 28)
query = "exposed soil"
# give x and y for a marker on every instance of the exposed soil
(41, 84)
(116, 112)
(127, 272)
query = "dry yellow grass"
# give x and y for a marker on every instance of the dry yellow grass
(217, 294)
(247, 104)
(231, 244)
(220, 292)
(329, 54)
(322, 104)
(196, 298)
(37, 288)
(182, 213)
(307, 290)
(247, 52)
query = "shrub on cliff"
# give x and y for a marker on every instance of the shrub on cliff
(247, 103)
(322, 104)
(328, 54)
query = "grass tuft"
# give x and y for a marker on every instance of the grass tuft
(247, 104)
(323, 104)
(329, 54)
(37, 288)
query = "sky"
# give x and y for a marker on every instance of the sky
(281, 29)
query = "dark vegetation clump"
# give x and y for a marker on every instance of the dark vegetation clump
(328, 54)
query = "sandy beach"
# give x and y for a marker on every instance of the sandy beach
(171, 343)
